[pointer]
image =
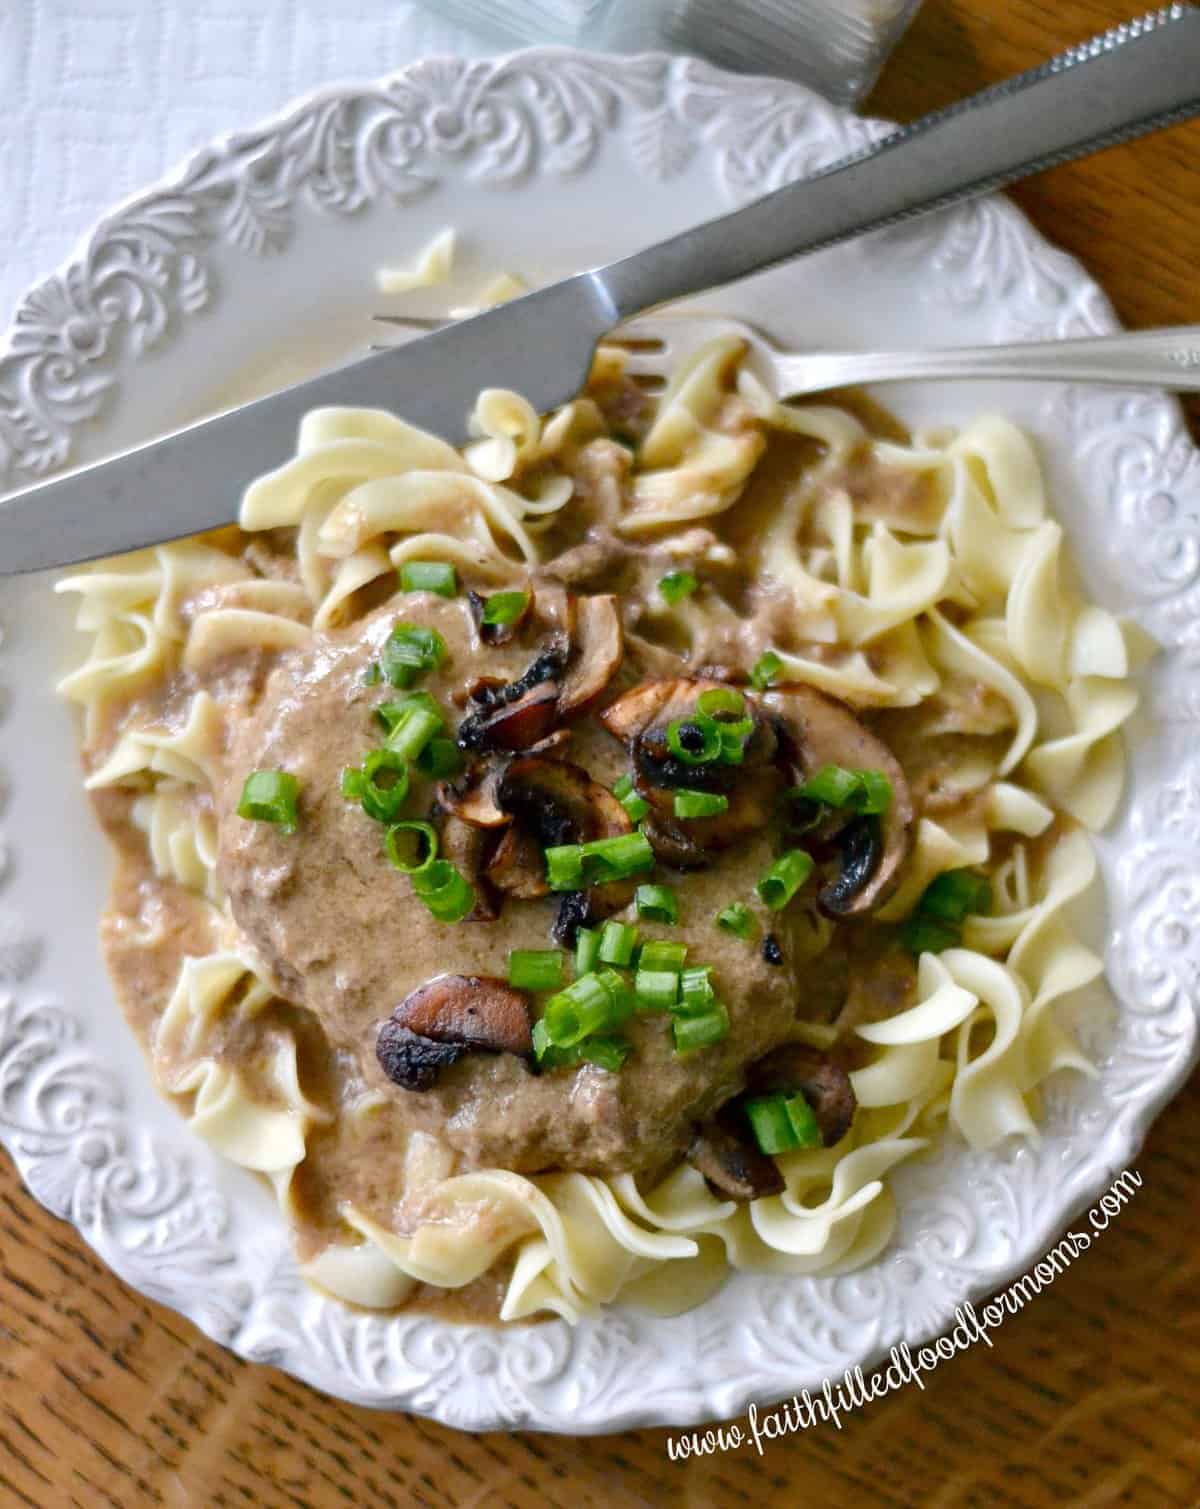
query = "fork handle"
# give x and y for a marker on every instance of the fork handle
(1137, 358)
(1131, 80)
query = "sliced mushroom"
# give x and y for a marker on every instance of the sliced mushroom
(474, 796)
(555, 608)
(518, 867)
(579, 659)
(796, 1068)
(411, 1061)
(597, 646)
(641, 719)
(815, 730)
(517, 713)
(475, 1011)
(860, 844)
(495, 634)
(574, 912)
(554, 802)
(465, 845)
(725, 1152)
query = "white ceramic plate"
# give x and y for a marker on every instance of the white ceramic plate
(256, 262)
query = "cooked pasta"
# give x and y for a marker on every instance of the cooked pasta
(918, 582)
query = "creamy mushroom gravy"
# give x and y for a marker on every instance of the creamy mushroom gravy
(338, 935)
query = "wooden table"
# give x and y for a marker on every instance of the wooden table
(1091, 1395)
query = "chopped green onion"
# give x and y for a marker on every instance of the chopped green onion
(800, 814)
(535, 968)
(952, 895)
(429, 576)
(694, 741)
(770, 1123)
(444, 891)
(656, 989)
(733, 744)
(662, 955)
(832, 785)
(618, 858)
(585, 1007)
(542, 1046)
(440, 757)
(926, 935)
(504, 608)
(423, 847)
(677, 585)
(353, 783)
(412, 733)
(619, 991)
(587, 950)
(657, 903)
(569, 867)
(737, 918)
(270, 796)
(803, 1120)
(696, 993)
(782, 1123)
(766, 668)
(868, 792)
(723, 700)
(373, 674)
(564, 867)
(700, 803)
(617, 943)
(702, 1030)
(785, 877)
(384, 785)
(875, 793)
(636, 806)
(392, 713)
(606, 1052)
(409, 651)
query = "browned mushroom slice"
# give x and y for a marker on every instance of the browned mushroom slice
(555, 802)
(597, 647)
(495, 634)
(631, 714)
(474, 796)
(523, 723)
(818, 731)
(518, 713)
(554, 608)
(476, 1011)
(725, 1152)
(518, 867)
(411, 1061)
(641, 718)
(797, 1068)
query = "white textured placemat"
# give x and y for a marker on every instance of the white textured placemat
(99, 97)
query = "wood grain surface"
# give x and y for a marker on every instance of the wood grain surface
(1090, 1396)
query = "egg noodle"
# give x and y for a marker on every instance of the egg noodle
(961, 580)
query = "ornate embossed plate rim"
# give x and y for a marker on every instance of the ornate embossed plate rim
(139, 1202)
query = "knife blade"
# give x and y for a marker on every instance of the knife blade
(1117, 86)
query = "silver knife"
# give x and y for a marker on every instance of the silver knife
(1138, 77)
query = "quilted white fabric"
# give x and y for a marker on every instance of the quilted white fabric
(98, 98)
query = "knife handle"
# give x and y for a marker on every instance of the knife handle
(1132, 79)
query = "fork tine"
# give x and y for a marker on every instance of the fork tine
(647, 363)
(415, 321)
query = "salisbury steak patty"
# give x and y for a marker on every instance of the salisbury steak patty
(338, 931)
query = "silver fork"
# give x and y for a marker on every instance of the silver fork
(662, 343)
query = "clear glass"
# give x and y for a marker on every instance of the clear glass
(835, 46)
